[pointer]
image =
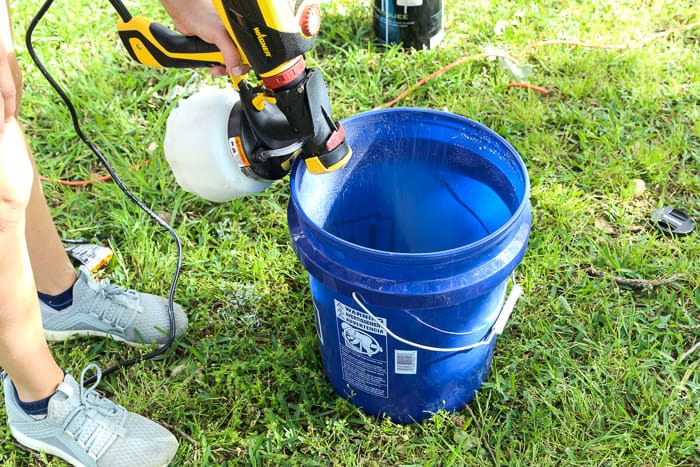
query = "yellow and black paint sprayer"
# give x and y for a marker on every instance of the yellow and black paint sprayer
(226, 143)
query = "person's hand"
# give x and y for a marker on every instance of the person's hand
(199, 18)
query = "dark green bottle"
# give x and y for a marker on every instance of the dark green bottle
(415, 24)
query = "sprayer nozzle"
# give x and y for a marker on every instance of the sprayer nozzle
(320, 165)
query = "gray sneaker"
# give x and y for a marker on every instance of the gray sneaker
(101, 309)
(86, 429)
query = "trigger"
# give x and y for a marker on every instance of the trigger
(260, 99)
(236, 81)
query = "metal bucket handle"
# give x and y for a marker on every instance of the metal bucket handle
(515, 292)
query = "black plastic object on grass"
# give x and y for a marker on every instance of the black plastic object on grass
(672, 222)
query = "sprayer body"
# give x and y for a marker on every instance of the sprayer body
(288, 113)
(272, 36)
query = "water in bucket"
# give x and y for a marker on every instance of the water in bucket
(418, 205)
(408, 250)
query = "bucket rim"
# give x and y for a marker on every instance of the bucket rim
(507, 226)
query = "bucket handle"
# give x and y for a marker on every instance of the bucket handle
(515, 292)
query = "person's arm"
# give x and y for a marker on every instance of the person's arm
(199, 18)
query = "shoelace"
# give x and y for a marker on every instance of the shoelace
(107, 290)
(118, 317)
(97, 421)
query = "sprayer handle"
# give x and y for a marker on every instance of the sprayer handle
(153, 44)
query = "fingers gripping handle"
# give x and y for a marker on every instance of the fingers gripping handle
(153, 44)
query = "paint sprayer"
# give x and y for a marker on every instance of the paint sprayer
(225, 143)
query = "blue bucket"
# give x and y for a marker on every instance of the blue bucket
(408, 250)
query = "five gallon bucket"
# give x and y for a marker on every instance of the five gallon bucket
(408, 250)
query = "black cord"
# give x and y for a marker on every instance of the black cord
(75, 241)
(76, 124)
(121, 10)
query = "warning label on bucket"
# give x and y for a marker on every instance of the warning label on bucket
(362, 350)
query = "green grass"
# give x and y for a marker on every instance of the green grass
(589, 371)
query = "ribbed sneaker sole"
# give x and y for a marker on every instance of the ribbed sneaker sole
(60, 336)
(40, 446)
(37, 445)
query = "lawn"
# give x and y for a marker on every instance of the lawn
(598, 364)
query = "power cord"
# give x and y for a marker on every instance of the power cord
(76, 125)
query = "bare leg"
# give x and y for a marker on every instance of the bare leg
(24, 353)
(53, 271)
